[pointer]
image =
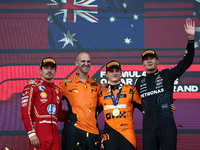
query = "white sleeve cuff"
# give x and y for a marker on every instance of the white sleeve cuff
(30, 135)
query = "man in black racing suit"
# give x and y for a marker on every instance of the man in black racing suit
(156, 92)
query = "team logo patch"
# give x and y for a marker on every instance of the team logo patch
(43, 94)
(43, 100)
(123, 96)
(148, 52)
(24, 93)
(26, 89)
(164, 106)
(124, 124)
(157, 77)
(67, 81)
(107, 97)
(143, 80)
(51, 109)
(24, 105)
(93, 90)
(100, 94)
(49, 60)
(131, 91)
(58, 99)
(94, 83)
(41, 88)
(24, 101)
(57, 91)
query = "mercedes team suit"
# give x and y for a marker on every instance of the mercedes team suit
(41, 108)
(119, 132)
(156, 92)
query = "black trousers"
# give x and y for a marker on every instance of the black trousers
(76, 139)
(163, 136)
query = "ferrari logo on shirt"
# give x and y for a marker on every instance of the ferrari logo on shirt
(57, 91)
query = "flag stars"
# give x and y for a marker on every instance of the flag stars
(68, 38)
(112, 19)
(124, 5)
(127, 40)
(135, 17)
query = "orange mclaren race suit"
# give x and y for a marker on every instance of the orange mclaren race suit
(80, 130)
(119, 132)
(41, 108)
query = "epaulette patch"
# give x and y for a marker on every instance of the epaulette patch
(94, 82)
(66, 81)
(131, 91)
(100, 94)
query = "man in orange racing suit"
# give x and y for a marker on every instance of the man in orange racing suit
(41, 108)
(118, 103)
(81, 93)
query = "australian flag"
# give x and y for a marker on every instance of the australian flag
(95, 24)
(98, 25)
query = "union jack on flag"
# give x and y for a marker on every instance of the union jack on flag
(71, 8)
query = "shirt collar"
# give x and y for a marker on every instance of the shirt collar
(47, 83)
(76, 79)
(152, 74)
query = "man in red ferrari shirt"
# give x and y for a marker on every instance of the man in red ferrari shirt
(41, 108)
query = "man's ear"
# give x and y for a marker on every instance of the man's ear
(157, 62)
(55, 71)
(76, 63)
(40, 70)
(143, 64)
(106, 75)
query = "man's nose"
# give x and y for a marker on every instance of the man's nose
(86, 63)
